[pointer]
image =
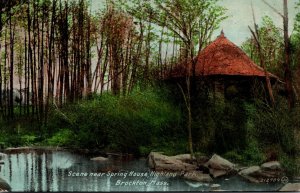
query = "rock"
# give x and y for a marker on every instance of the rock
(257, 174)
(240, 168)
(217, 162)
(186, 158)
(160, 162)
(100, 159)
(197, 176)
(217, 173)
(291, 187)
(272, 165)
(251, 171)
(150, 161)
(4, 185)
(219, 166)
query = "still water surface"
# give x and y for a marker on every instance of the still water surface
(53, 171)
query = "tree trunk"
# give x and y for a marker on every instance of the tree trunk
(287, 59)
(11, 97)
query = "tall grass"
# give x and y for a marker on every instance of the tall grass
(130, 123)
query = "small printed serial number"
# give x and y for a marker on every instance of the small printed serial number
(271, 180)
(274, 180)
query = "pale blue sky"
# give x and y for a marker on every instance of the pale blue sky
(240, 12)
(240, 16)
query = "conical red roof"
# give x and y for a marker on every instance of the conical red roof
(222, 57)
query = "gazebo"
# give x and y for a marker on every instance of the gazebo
(224, 64)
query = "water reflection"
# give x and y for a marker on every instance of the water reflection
(50, 171)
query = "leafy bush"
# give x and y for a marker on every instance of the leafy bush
(14, 134)
(290, 164)
(121, 123)
(234, 156)
(64, 137)
(28, 139)
(253, 153)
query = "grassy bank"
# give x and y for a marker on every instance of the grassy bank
(243, 131)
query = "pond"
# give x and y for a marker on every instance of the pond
(66, 171)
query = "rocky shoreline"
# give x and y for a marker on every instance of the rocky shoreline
(204, 169)
(199, 169)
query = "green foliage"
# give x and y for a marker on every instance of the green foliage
(271, 41)
(295, 40)
(170, 146)
(63, 137)
(253, 153)
(120, 123)
(290, 165)
(186, 19)
(234, 156)
(16, 133)
(220, 125)
(28, 139)
(277, 126)
(7, 140)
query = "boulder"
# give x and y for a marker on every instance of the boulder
(257, 174)
(219, 166)
(272, 165)
(251, 174)
(217, 173)
(197, 176)
(150, 160)
(219, 163)
(291, 187)
(251, 171)
(240, 168)
(186, 158)
(100, 159)
(160, 162)
(4, 185)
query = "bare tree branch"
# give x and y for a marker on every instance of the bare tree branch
(274, 9)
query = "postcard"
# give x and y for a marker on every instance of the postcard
(149, 95)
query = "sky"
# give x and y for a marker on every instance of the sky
(240, 16)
